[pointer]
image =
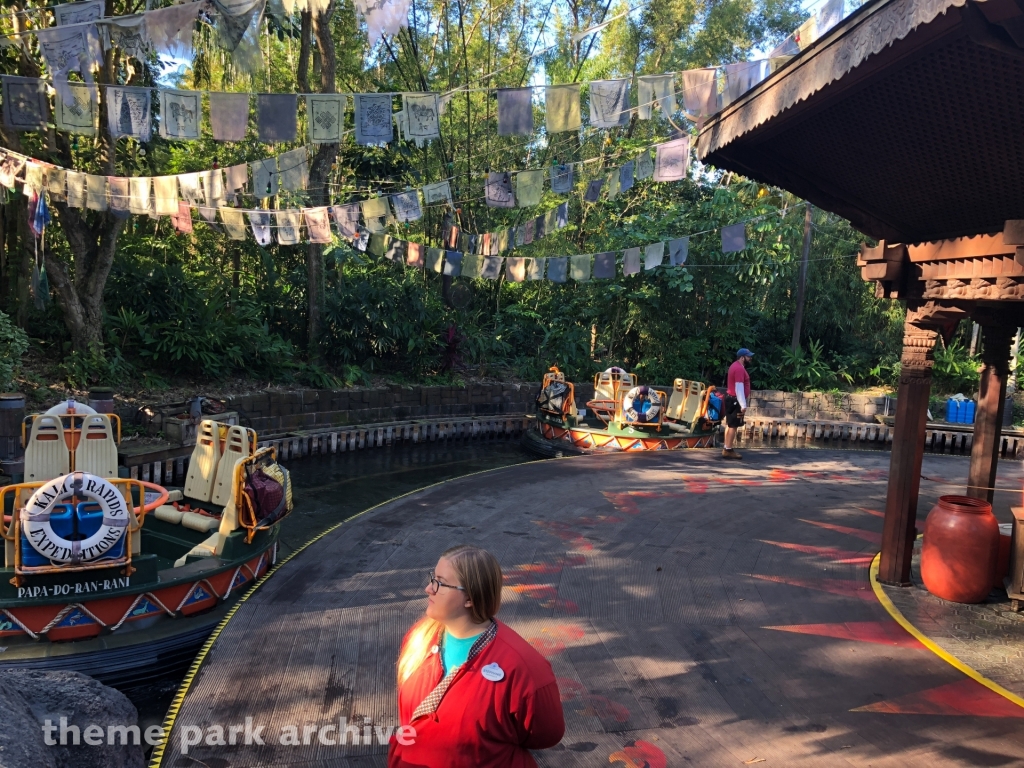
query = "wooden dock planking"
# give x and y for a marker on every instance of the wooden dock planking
(681, 658)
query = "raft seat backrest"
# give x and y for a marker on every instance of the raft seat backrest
(692, 403)
(97, 452)
(202, 468)
(236, 448)
(605, 389)
(610, 385)
(676, 399)
(46, 455)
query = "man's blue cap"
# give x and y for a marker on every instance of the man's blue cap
(744, 352)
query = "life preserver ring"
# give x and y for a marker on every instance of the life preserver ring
(614, 369)
(61, 409)
(641, 405)
(35, 518)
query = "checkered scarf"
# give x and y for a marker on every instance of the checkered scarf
(430, 704)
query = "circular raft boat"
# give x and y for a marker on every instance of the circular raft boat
(123, 579)
(622, 416)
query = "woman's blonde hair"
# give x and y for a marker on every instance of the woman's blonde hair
(479, 574)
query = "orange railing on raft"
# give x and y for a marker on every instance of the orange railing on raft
(10, 525)
(242, 499)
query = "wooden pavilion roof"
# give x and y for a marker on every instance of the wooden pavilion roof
(907, 119)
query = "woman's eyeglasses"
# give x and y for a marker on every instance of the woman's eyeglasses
(436, 584)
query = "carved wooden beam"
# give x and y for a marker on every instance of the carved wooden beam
(966, 269)
(934, 317)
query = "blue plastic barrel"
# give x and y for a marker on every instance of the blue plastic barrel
(952, 410)
(968, 412)
(62, 522)
(90, 517)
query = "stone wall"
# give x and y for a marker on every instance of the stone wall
(277, 412)
(818, 405)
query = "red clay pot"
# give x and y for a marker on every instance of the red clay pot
(961, 544)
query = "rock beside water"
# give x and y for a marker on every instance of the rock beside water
(21, 738)
(28, 698)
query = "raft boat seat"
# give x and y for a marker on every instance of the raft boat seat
(192, 520)
(685, 400)
(239, 445)
(608, 388)
(608, 384)
(46, 453)
(217, 470)
(97, 451)
(206, 548)
(202, 467)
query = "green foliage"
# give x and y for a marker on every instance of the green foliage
(13, 344)
(204, 307)
(807, 369)
(82, 370)
(955, 370)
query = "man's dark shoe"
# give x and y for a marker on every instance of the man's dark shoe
(731, 453)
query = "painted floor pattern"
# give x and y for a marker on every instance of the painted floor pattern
(695, 611)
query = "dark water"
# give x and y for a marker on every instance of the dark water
(329, 489)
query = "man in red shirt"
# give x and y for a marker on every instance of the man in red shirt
(738, 392)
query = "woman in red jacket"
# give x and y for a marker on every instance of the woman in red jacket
(476, 693)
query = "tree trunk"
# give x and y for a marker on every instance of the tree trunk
(320, 168)
(801, 288)
(79, 286)
(81, 294)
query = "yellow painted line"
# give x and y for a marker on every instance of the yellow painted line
(179, 698)
(930, 644)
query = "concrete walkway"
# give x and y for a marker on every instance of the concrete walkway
(696, 612)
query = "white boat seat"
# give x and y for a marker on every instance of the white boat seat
(605, 389)
(202, 468)
(684, 400)
(693, 401)
(236, 447)
(168, 514)
(675, 400)
(46, 455)
(610, 384)
(197, 522)
(205, 548)
(97, 451)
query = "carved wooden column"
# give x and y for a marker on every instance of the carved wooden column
(988, 418)
(907, 453)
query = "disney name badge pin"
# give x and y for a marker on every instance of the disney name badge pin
(493, 672)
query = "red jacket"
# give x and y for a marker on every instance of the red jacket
(480, 723)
